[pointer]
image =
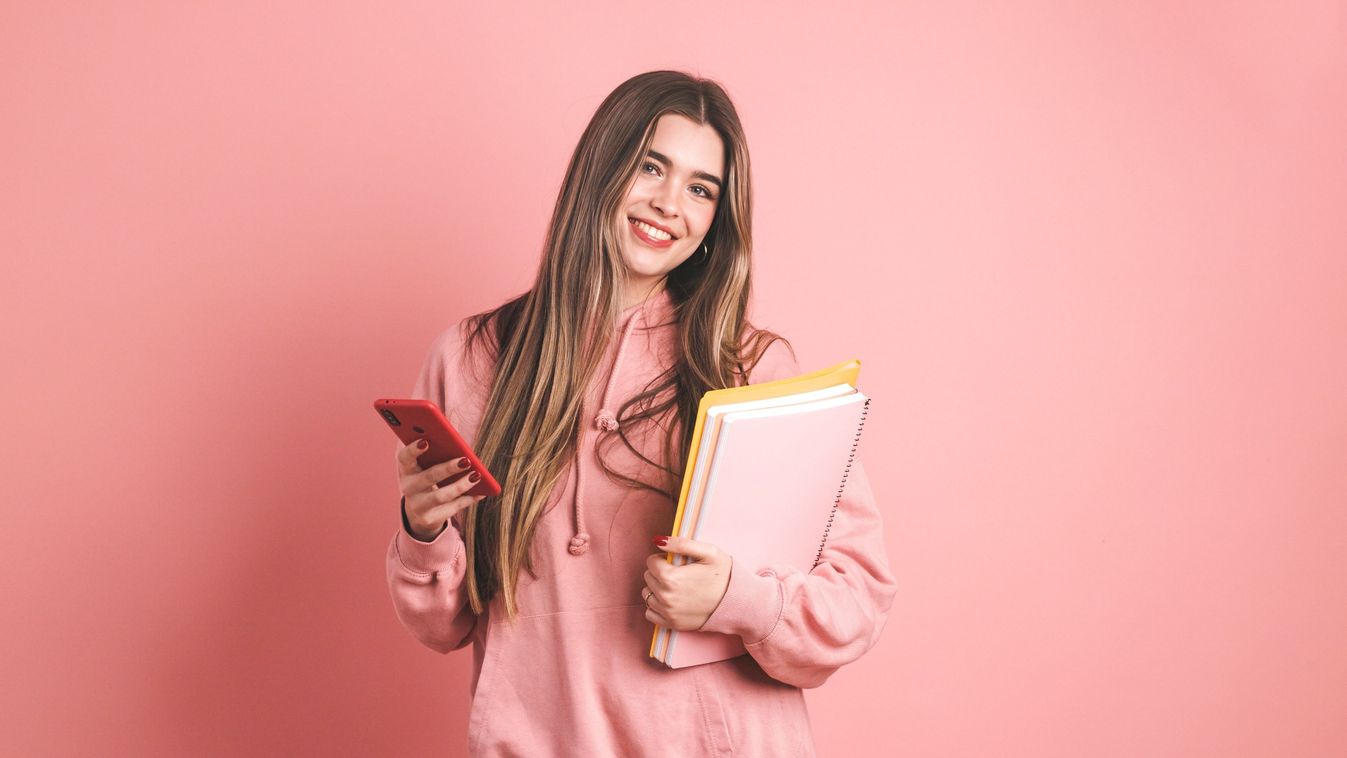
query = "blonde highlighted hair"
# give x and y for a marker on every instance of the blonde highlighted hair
(546, 343)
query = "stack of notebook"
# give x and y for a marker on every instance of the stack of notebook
(766, 470)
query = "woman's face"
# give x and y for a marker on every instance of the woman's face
(676, 190)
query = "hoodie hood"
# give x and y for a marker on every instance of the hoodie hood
(653, 311)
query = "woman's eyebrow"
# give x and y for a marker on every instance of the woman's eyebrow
(662, 158)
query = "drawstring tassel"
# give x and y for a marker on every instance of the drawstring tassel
(579, 543)
(606, 421)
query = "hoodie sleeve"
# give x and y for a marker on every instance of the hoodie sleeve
(801, 627)
(426, 579)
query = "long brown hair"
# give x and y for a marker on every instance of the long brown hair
(546, 343)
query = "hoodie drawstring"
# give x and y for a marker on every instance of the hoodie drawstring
(604, 421)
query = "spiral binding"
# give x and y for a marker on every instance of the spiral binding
(838, 500)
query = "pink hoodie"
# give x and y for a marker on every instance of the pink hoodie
(572, 676)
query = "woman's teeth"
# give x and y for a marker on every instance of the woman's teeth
(652, 231)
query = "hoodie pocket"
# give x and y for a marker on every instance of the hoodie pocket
(713, 710)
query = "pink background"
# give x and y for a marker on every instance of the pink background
(1094, 260)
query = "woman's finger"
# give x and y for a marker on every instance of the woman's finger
(458, 487)
(654, 617)
(441, 471)
(407, 456)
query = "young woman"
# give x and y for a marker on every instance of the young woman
(579, 396)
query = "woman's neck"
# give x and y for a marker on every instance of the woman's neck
(639, 292)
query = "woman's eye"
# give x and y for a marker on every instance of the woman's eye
(704, 191)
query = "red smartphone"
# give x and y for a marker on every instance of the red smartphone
(412, 420)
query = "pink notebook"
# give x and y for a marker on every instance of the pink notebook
(765, 487)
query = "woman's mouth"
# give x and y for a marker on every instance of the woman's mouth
(649, 234)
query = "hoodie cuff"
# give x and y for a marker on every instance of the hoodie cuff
(751, 606)
(427, 557)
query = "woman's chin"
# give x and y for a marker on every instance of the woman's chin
(647, 263)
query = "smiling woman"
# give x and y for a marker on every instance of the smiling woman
(579, 397)
(669, 206)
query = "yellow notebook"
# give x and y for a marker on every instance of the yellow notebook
(845, 373)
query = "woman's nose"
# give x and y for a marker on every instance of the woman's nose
(665, 200)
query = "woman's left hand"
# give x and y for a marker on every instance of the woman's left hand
(684, 597)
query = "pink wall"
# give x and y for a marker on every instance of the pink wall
(1094, 260)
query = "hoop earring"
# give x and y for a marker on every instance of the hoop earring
(705, 253)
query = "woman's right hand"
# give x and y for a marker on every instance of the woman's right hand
(430, 506)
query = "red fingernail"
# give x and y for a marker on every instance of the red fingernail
(463, 463)
(661, 541)
(422, 444)
(474, 477)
